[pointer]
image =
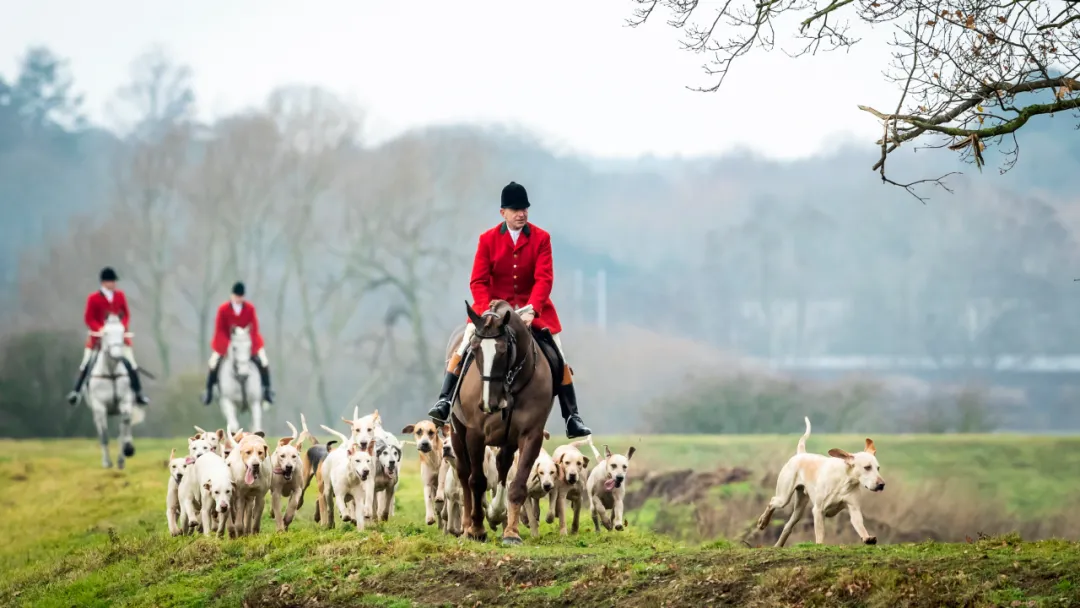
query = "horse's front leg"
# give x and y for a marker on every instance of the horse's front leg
(101, 421)
(516, 488)
(256, 416)
(228, 409)
(123, 435)
(464, 471)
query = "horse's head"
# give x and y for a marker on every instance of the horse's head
(240, 345)
(494, 346)
(112, 337)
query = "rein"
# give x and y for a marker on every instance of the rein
(516, 366)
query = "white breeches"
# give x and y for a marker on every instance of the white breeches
(470, 331)
(129, 354)
(263, 360)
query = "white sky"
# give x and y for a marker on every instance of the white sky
(569, 70)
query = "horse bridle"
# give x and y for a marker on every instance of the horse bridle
(511, 343)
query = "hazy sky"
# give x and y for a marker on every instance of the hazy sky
(568, 70)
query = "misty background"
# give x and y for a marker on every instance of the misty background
(720, 294)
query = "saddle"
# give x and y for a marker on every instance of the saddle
(551, 353)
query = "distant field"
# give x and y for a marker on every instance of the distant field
(77, 535)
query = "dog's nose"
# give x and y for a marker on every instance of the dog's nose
(224, 506)
(880, 486)
(571, 478)
(424, 447)
(363, 445)
(547, 487)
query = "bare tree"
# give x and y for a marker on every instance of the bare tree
(971, 73)
(405, 232)
(318, 133)
(150, 189)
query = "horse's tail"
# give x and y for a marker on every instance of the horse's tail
(802, 440)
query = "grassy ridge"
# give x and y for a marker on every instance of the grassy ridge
(75, 534)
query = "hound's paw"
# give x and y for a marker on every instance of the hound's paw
(870, 540)
(619, 526)
(430, 521)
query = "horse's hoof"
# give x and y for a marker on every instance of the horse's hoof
(870, 540)
(480, 536)
(129, 449)
(511, 541)
(120, 465)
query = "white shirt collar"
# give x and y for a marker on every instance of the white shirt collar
(108, 293)
(514, 234)
(237, 306)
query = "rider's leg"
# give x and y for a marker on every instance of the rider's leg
(575, 427)
(263, 365)
(84, 368)
(133, 374)
(440, 412)
(211, 377)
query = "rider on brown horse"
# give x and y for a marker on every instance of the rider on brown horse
(513, 263)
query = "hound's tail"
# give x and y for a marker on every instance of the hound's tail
(595, 451)
(344, 439)
(802, 440)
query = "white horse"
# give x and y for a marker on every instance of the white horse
(108, 391)
(239, 382)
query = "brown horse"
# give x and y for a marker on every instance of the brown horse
(504, 400)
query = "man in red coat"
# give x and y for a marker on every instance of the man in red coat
(107, 300)
(513, 263)
(237, 312)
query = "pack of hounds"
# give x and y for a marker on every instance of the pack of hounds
(222, 482)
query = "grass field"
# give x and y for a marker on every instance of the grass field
(77, 535)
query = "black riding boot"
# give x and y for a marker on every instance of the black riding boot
(440, 412)
(136, 383)
(211, 380)
(264, 376)
(575, 427)
(73, 396)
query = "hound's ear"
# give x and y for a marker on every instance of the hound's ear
(445, 430)
(630, 452)
(375, 416)
(841, 454)
(547, 435)
(408, 430)
(346, 421)
(586, 458)
(220, 434)
(284, 441)
(172, 454)
(607, 452)
(261, 434)
(870, 448)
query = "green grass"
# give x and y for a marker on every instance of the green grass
(77, 535)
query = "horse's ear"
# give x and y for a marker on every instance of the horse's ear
(475, 318)
(506, 317)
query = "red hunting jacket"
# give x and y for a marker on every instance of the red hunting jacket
(98, 308)
(227, 319)
(520, 273)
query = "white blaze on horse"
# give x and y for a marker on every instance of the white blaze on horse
(108, 391)
(239, 384)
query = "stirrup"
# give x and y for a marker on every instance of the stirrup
(436, 411)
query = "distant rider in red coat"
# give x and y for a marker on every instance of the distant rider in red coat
(237, 312)
(513, 263)
(107, 300)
